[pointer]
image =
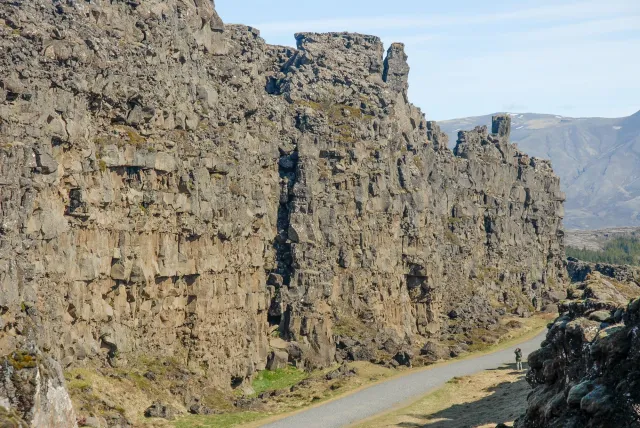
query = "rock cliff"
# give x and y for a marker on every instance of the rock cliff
(587, 153)
(586, 373)
(173, 186)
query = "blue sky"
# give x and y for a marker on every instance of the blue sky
(469, 57)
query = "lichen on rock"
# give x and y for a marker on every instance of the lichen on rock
(33, 393)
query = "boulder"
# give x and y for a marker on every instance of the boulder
(433, 351)
(32, 391)
(159, 410)
(403, 358)
(577, 392)
(601, 316)
(360, 353)
(278, 359)
(597, 402)
(342, 371)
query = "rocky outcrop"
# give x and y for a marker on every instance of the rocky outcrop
(173, 186)
(32, 388)
(579, 271)
(586, 373)
(387, 228)
(587, 153)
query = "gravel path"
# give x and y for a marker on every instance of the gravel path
(386, 395)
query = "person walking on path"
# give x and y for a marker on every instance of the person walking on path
(518, 353)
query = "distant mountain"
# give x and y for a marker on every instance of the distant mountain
(597, 159)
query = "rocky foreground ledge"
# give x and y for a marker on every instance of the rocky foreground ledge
(174, 187)
(587, 373)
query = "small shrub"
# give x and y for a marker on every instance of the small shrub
(451, 237)
(418, 162)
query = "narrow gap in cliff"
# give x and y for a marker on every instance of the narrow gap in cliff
(274, 319)
(281, 276)
(57, 142)
(273, 86)
(75, 200)
(287, 165)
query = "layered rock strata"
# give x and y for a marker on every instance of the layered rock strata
(586, 373)
(173, 186)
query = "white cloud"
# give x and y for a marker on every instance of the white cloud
(582, 29)
(598, 77)
(557, 34)
(574, 11)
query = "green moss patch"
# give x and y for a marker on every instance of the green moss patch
(22, 360)
(272, 380)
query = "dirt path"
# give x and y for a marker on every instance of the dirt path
(386, 396)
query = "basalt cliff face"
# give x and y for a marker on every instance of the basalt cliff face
(586, 372)
(173, 186)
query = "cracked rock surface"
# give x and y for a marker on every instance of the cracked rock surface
(586, 373)
(173, 186)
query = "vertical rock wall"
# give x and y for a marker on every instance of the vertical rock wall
(390, 229)
(172, 186)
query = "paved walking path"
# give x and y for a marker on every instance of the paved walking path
(387, 395)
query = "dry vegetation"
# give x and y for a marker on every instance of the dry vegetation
(127, 391)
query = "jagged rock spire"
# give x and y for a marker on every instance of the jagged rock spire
(501, 125)
(396, 68)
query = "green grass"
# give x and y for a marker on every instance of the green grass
(226, 420)
(78, 384)
(351, 327)
(271, 380)
(266, 380)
